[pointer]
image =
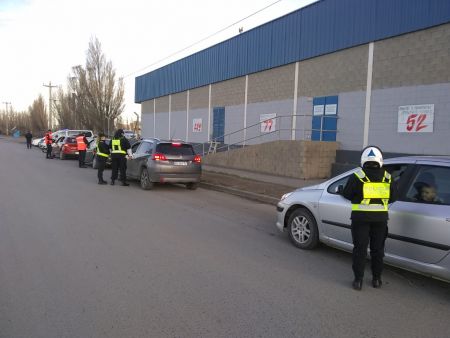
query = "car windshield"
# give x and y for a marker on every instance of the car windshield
(174, 149)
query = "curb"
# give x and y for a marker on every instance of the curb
(241, 193)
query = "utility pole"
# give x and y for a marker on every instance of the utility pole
(7, 117)
(50, 115)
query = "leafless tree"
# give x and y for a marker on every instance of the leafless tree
(65, 109)
(99, 94)
(38, 115)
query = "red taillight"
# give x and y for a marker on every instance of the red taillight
(176, 144)
(197, 159)
(159, 157)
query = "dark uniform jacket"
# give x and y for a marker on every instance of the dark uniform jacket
(104, 148)
(124, 144)
(28, 136)
(353, 191)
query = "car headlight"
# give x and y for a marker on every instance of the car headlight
(286, 196)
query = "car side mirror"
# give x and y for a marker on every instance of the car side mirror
(340, 189)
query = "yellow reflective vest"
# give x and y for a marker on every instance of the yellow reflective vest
(116, 148)
(99, 153)
(373, 191)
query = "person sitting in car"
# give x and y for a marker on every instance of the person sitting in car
(428, 194)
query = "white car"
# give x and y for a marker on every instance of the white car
(35, 142)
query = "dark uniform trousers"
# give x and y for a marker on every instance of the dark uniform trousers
(101, 162)
(81, 157)
(49, 151)
(361, 232)
(119, 164)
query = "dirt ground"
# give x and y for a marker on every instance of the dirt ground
(258, 187)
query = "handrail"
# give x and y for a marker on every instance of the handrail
(276, 117)
(227, 145)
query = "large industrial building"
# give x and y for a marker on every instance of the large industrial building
(353, 71)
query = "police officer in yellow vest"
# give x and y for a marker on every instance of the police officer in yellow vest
(102, 154)
(370, 191)
(119, 149)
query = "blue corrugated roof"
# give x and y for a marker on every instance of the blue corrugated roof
(323, 27)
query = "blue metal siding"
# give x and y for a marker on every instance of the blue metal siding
(320, 28)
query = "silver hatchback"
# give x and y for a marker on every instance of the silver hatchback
(155, 161)
(419, 221)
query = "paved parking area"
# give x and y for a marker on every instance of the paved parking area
(82, 260)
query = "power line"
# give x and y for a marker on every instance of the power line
(203, 39)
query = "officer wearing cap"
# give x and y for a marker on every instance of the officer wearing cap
(119, 149)
(370, 191)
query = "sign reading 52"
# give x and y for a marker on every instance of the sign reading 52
(416, 119)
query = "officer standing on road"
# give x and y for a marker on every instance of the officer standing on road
(102, 155)
(29, 137)
(82, 143)
(48, 141)
(119, 148)
(370, 191)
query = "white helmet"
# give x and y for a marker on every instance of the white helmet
(372, 154)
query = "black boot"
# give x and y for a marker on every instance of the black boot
(125, 184)
(377, 282)
(357, 284)
(112, 182)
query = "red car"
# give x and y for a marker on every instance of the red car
(65, 147)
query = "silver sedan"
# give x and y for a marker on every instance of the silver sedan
(419, 221)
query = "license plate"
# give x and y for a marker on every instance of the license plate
(179, 163)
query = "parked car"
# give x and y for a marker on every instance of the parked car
(65, 147)
(35, 141)
(69, 132)
(42, 145)
(91, 157)
(419, 231)
(156, 161)
(129, 134)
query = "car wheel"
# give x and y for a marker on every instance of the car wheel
(303, 230)
(192, 186)
(146, 184)
(62, 156)
(94, 163)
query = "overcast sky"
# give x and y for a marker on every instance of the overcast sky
(40, 40)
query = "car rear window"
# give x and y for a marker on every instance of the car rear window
(71, 140)
(171, 149)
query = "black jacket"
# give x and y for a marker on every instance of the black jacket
(353, 191)
(28, 136)
(104, 148)
(124, 144)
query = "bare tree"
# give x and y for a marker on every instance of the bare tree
(99, 94)
(38, 115)
(65, 109)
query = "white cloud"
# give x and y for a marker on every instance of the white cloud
(42, 39)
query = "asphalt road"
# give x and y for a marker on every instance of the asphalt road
(82, 260)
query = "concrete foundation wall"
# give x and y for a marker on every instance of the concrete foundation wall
(298, 159)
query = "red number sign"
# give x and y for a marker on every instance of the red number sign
(416, 122)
